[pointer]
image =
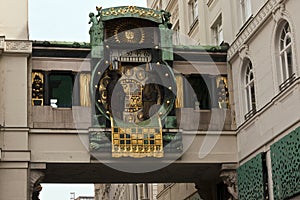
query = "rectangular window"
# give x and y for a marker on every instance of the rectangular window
(193, 8)
(196, 92)
(217, 31)
(246, 9)
(61, 89)
(176, 35)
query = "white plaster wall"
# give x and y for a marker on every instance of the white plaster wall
(277, 111)
(13, 182)
(14, 91)
(14, 19)
(1, 92)
(292, 8)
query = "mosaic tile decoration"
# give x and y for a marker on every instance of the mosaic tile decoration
(285, 156)
(250, 179)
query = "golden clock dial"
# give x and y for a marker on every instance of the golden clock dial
(129, 32)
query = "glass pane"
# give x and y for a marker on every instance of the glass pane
(287, 40)
(283, 66)
(290, 61)
(248, 98)
(281, 45)
(61, 87)
(253, 104)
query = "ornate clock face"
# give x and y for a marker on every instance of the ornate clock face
(129, 32)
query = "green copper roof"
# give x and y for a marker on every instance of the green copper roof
(201, 48)
(61, 44)
(87, 45)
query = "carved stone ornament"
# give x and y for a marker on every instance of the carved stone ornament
(229, 178)
(243, 51)
(278, 12)
(254, 24)
(18, 47)
(36, 177)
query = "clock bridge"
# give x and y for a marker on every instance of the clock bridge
(129, 107)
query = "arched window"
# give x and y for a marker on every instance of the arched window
(249, 90)
(285, 43)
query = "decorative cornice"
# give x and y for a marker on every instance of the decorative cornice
(252, 27)
(130, 11)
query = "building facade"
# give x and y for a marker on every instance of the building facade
(231, 129)
(263, 66)
(125, 191)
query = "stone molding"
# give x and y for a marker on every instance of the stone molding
(18, 46)
(244, 51)
(15, 46)
(278, 12)
(229, 176)
(252, 27)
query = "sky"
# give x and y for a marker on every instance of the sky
(66, 20)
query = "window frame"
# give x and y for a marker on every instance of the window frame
(245, 9)
(217, 31)
(50, 88)
(249, 89)
(286, 63)
(176, 33)
(194, 11)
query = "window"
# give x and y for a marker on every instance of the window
(60, 89)
(176, 34)
(193, 4)
(249, 90)
(246, 9)
(217, 31)
(285, 56)
(196, 92)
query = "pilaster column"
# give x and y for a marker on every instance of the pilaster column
(229, 177)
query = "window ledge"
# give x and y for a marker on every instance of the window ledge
(193, 25)
(245, 25)
(209, 2)
(287, 82)
(273, 101)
